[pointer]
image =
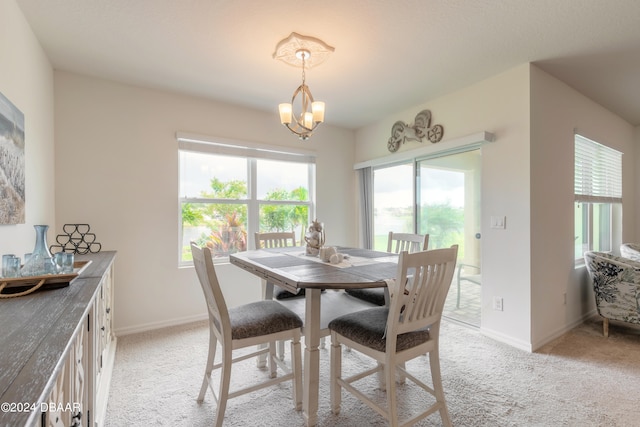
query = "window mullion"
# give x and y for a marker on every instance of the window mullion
(416, 198)
(311, 171)
(590, 232)
(253, 219)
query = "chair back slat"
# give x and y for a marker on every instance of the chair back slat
(407, 242)
(426, 276)
(275, 240)
(216, 304)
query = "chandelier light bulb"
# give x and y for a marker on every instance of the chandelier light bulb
(285, 113)
(318, 111)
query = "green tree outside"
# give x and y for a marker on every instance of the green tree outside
(226, 222)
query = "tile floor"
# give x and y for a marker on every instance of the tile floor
(470, 303)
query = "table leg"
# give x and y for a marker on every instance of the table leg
(311, 357)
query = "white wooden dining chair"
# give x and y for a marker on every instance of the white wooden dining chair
(397, 242)
(409, 327)
(262, 322)
(401, 242)
(282, 239)
(269, 240)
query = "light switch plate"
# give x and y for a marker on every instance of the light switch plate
(499, 222)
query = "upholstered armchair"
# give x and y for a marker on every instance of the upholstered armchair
(616, 284)
(631, 251)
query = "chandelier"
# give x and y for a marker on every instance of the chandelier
(303, 114)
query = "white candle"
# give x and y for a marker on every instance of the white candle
(285, 113)
(308, 120)
(318, 111)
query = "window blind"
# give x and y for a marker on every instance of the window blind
(598, 172)
(199, 143)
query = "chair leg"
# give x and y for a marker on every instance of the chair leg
(336, 372)
(281, 350)
(390, 379)
(261, 360)
(402, 378)
(382, 379)
(225, 379)
(273, 366)
(436, 377)
(458, 297)
(213, 343)
(296, 367)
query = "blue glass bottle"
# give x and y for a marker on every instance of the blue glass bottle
(40, 261)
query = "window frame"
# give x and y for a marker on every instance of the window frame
(252, 153)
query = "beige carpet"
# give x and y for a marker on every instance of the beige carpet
(580, 379)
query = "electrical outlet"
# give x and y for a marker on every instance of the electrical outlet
(497, 303)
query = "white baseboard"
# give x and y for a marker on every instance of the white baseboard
(531, 347)
(523, 345)
(159, 325)
(566, 328)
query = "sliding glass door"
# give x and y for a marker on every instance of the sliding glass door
(449, 202)
(393, 202)
(437, 195)
(448, 209)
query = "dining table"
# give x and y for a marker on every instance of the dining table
(324, 284)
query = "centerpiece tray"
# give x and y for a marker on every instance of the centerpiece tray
(11, 287)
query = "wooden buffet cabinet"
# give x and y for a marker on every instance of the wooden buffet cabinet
(57, 350)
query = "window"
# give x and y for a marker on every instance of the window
(228, 192)
(598, 196)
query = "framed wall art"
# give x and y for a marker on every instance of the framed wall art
(12, 169)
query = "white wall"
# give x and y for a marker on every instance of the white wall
(499, 105)
(117, 170)
(527, 176)
(556, 110)
(26, 79)
(636, 179)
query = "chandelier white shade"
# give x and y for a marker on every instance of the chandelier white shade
(303, 114)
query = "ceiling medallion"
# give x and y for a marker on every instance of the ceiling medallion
(287, 50)
(402, 132)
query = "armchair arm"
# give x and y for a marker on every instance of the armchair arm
(630, 251)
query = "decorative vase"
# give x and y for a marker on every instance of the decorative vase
(40, 262)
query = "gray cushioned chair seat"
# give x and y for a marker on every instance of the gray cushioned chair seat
(261, 318)
(279, 293)
(367, 327)
(372, 295)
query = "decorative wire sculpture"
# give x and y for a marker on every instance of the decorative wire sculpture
(402, 132)
(77, 240)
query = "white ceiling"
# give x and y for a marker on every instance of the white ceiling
(389, 55)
